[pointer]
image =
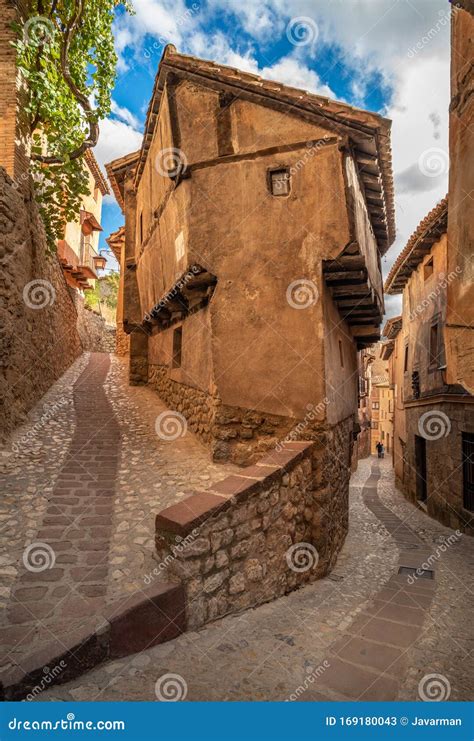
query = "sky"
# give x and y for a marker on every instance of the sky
(387, 56)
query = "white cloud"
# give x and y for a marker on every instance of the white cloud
(405, 41)
(291, 71)
(125, 115)
(116, 139)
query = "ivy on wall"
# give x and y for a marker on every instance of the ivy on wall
(66, 56)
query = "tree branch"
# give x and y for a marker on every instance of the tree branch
(82, 99)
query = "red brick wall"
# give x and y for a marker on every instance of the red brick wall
(12, 152)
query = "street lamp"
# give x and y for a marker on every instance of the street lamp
(99, 261)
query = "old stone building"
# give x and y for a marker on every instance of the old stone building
(393, 353)
(116, 242)
(434, 422)
(255, 217)
(433, 347)
(380, 400)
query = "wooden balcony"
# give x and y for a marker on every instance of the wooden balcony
(76, 275)
(348, 280)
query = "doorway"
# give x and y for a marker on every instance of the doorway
(420, 465)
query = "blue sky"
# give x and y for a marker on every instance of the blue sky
(389, 56)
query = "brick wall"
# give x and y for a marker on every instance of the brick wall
(12, 149)
(255, 536)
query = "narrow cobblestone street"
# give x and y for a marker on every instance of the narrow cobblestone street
(83, 480)
(87, 474)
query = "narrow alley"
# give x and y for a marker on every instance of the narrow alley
(93, 473)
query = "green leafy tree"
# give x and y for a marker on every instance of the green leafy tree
(105, 291)
(65, 52)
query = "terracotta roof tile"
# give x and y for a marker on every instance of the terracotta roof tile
(433, 225)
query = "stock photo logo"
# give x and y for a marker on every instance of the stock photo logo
(433, 162)
(170, 426)
(171, 688)
(302, 31)
(434, 688)
(171, 161)
(38, 31)
(38, 294)
(38, 557)
(302, 293)
(302, 557)
(434, 425)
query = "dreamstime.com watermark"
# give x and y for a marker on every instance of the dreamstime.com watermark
(171, 162)
(49, 676)
(170, 425)
(179, 21)
(38, 426)
(173, 292)
(444, 20)
(301, 557)
(302, 293)
(176, 550)
(171, 688)
(39, 293)
(312, 148)
(312, 414)
(69, 723)
(308, 681)
(434, 688)
(435, 556)
(302, 30)
(443, 283)
(38, 557)
(434, 425)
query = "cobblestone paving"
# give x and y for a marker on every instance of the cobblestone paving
(278, 651)
(83, 481)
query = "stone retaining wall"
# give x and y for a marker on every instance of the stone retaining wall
(38, 335)
(240, 436)
(95, 335)
(197, 406)
(122, 341)
(255, 536)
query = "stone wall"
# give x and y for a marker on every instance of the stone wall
(237, 435)
(258, 535)
(442, 428)
(95, 335)
(38, 335)
(122, 341)
(197, 406)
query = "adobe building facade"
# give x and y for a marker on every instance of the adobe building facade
(434, 421)
(432, 347)
(255, 216)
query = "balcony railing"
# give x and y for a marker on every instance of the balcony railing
(86, 258)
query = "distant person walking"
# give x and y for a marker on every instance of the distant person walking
(382, 451)
(379, 448)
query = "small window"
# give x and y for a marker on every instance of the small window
(341, 354)
(434, 345)
(375, 405)
(177, 347)
(405, 362)
(428, 269)
(280, 182)
(375, 425)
